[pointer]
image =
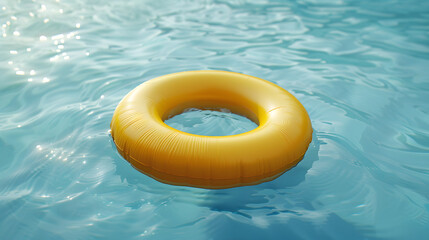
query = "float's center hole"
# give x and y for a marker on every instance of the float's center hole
(219, 122)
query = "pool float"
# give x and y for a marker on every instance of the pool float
(171, 156)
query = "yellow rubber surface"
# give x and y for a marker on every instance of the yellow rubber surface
(175, 157)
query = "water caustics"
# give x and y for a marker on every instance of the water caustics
(358, 67)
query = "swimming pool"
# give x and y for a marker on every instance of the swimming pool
(358, 67)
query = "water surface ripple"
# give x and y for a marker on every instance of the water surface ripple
(360, 68)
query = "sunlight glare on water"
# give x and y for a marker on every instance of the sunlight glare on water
(359, 67)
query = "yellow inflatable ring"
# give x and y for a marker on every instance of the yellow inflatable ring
(175, 157)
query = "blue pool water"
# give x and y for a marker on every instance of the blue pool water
(359, 67)
(215, 122)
